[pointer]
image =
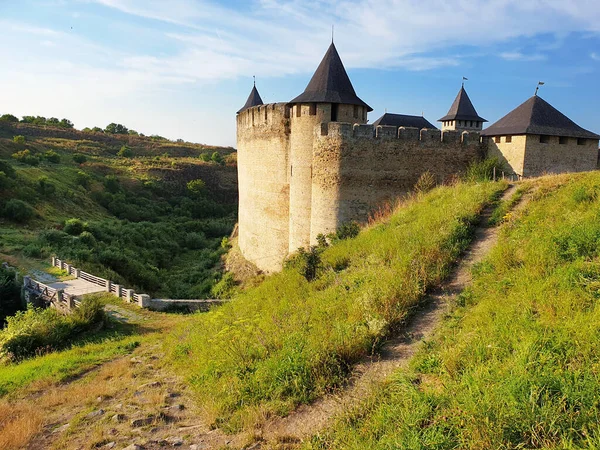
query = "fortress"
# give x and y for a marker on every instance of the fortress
(309, 165)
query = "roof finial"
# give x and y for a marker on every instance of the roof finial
(332, 33)
(254, 77)
(463, 82)
(540, 83)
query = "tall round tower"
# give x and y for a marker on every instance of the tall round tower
(329, 97)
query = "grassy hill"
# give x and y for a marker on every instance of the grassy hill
(517, 363)
(119, 206)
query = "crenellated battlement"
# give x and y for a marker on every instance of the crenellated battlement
(259, 116)
(425, 136)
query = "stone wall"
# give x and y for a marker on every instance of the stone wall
(356, 168)
(554, 157)
(263, 142)
(510, 154)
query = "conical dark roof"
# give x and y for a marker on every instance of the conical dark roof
(537, 116)
(253, 100)
(330, 83)
(402, 120)
(462, 109)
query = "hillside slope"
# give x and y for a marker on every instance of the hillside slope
(517, 364)
(138, 220)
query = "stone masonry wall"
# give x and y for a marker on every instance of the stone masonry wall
(554, 157)
(510, 154)
(263, 142)
(356, 168)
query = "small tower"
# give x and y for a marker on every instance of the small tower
(253, 99)
(462, 115)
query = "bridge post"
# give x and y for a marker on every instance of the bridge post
(144, 301)
(71, 303)
(108, 283)
(129, 295)
(118, 288)
(68, 268)
(54, 261)
(59, 296)
(77, 273)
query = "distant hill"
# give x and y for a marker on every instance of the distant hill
(148, 212)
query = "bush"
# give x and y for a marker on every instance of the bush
(33, 250)
(45, 187)
(18, 210)
(8, 118)
(205, 157)
(125, 152)
(82, 179)
(196, 187)
(8, 169)
(36, 331)
(10, 293)
(26, 157)
(74, 227)
(216, 158)
(483, 170)
(79, 158)
(52, 156)
(19, 139)
(116, 128)
(347, 230)
(225, 287)
(4, 180)
(306, 262)
(425, 183)
(112, 184)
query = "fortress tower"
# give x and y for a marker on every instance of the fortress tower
(329, 97)
(462, 115)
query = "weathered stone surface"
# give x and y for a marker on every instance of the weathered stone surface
(117, 418)
(141, 422)
(95, 414)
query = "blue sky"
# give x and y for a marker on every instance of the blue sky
(181, 68)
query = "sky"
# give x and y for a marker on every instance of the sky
(182, 68)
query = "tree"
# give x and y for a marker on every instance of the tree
(111, 183)
(133, 133)
(217, 158)
(53, 121)
(45, 187)
(66, 123)
(8, 118)
(116, 128)
(26, 157)
(27, 119)
(196, 187)
(97, 130)
(52, 156)
(10, 293)
(125, 152)
(18, 210)
(19, 139)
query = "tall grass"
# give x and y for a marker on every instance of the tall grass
(518, 364)
(289, 340)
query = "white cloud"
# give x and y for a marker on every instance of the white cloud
(595, 56)
(518, 56)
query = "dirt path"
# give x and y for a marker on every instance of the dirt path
(309, 419)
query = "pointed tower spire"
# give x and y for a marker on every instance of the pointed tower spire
(330, 83)
(253, 99)
(462, 114)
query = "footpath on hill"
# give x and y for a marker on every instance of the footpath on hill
(137, 402)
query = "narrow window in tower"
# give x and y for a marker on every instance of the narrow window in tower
(252, 117)
(544, 139)
(334, 112)
(313, 109)
(497, 139)
(508, 139)
(298, 110)
(563, 140)
(580, 141)
(291, 171)
(266, 113)
(355, 111)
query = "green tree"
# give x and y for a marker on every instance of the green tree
(28, 119)
(116, 128)
(217, 158)
(125, 152)
(52, 156)
(97, 130)
(79, 158)
(19, 139)
(17, 210)
(8, 118)
(83, 179)
(66, 123)
(111, 183)
(10, 294)
(196, 187)
(26, 157)
(45, 187)
(205, 156)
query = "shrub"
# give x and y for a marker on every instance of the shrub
(10, 293)
(45, 187)
(112, 184)
(82, 179)
(4, 180)
(216, 158)
(18, 210)
(225, 287)
(425, 183)
(8, 118)
(26, 157)
(205, 157)
(116, 128)
(52, 156)
(196, 187)
(19, 139)
(483, 170)
(306, 262)
(347, 230)
(37, 331)
(125, 152)
(88, 239)
(8, 169)
(74, 227)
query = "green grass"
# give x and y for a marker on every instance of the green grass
(289, 341)
(517, 365)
